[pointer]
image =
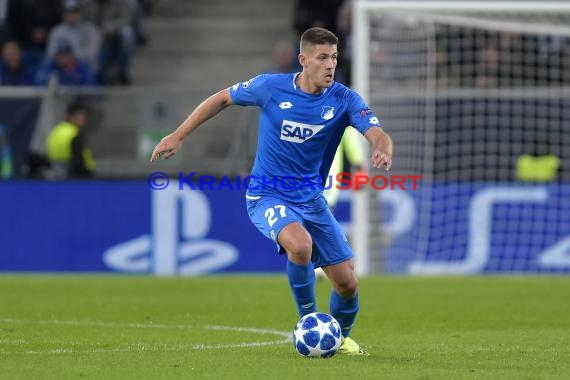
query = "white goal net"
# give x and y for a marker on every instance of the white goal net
(476, 97)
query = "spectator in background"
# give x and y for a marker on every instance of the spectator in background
(487, 68)
(31, 21)
(318, 13)
(5, 154)
(139, 29)
(539, 163)
(344, 25)
(66, 68)
(115, 20)
(138, 9)
(284, 58)
(83, 36)
(147, 6)
(66, 145)
(5, 30)
(321, 13)
(14, 69)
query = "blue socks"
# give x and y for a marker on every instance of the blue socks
(302, 281)
(344, 310)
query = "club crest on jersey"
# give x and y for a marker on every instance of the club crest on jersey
(298, 132)
(328, 112)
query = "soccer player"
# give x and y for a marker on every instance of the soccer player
(303, 118)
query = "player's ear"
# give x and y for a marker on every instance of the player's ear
(302, 59)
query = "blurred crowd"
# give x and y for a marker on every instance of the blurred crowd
(92, 42)
(335, 15)
(473, 58)
(468, 56)
(76, 42)
(463, 56)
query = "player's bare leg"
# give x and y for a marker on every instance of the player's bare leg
(343, 278)
(298, 244)
(295, 239)
(344, 303)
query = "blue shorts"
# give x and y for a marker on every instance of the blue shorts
(270, 215)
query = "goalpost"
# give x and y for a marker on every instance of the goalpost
(464, 88)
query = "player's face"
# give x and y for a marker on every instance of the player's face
(319, 63)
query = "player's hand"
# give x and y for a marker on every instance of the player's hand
(381, 158)
(381, 148)
(166, 148)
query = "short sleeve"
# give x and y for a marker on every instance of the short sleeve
(360, 115)
(254, 92)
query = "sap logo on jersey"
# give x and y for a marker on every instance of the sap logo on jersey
(298, 132)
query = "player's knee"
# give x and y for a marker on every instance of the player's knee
(348, 288)
(300, 251)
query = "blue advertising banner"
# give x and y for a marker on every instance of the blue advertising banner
(127, 227)
(470, 228)
(105, 226)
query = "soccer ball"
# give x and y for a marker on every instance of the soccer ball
(317, 335)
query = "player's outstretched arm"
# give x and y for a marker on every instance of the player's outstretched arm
(381, 147)
(209, 108)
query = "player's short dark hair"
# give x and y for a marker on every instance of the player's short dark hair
(77, 107)
(318, 36)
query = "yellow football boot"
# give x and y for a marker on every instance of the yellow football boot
(350, 347)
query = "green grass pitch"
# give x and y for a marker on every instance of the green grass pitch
(238, 327)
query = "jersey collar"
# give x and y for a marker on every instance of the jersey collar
(295, 84)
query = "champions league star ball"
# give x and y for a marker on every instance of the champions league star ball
(317, 335)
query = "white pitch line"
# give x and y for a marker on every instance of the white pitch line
(96, 324)
(249, 329)
(144, 347)
(13, 341)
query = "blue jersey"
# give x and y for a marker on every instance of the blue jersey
(298, 133)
